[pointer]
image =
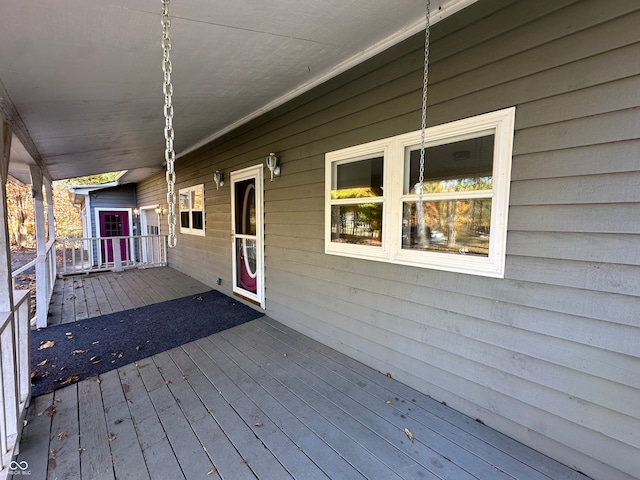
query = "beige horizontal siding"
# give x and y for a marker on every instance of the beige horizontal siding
(549, 354)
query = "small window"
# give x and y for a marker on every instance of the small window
(373, 207)
(357, 201)
(192, 210)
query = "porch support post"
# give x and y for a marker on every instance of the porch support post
(6, 285)
(41, 245)
(51, 221)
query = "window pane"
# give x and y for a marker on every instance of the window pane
(197, 220)
(451, 226)
(196, 199)
(461, 166)
(359, 224)
(245, 206)
(246, 265)
(358, 179)
(184, 201)
(184, 219)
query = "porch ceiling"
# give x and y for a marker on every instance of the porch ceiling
(81, 80)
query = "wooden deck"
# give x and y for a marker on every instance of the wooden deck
(262, 401)
(79, 297)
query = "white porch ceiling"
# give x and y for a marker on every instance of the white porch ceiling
(81, 80)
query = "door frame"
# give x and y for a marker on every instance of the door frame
(98, 230)
(256, 172)
(144, 212)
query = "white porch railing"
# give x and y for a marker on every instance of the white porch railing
(15, 382)
(46, 269)
(85, 255)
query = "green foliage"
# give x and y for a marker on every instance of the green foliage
(67, 216)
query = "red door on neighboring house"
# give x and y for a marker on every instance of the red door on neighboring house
(114, 224)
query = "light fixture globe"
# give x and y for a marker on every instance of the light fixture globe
(272, 165)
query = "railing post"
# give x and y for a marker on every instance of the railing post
(6, 283)
(117, 254)
(41, 244)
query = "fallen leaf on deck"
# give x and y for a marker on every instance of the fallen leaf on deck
(258, 424)
(43, 362)
(50, 410)
(47, 344)
(24, 422)
(95, 360)
(284, 354)
(167, 382)
(78, 351)
(63, 435)
(388, 402)
(409, 434)
(35, 375)
(70, 379)
(388, 375)
(212, 471)
(69, 337)
(204, 448)
(137, 347)
(111, 437)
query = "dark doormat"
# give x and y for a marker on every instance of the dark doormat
(96, 345)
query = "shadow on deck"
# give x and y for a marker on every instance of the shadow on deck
(261, 401)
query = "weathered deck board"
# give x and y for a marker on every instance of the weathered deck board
(96, 453)
(258, 401)
(190, 453)
(361, 459)
(433, 432)
(126, 452)
(34, 443)
(64, 437)
(85, 296)
(521, 462)
(159, 457)
(334, 465)
(381, 434)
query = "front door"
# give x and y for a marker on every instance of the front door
(114, 224)
(247, 234)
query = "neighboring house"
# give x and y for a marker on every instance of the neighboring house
(109, 210)
(519, 305)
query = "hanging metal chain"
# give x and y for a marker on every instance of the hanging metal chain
(422, 231)
(425, 85)
(169, 153)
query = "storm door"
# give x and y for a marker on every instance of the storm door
(247, 234)
(114, 224)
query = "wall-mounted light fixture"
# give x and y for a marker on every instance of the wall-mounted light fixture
(272, 165)
(136, 212)
(158, 210)
(218, 177)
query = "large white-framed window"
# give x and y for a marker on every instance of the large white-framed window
(192, 210)
(372, 205)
